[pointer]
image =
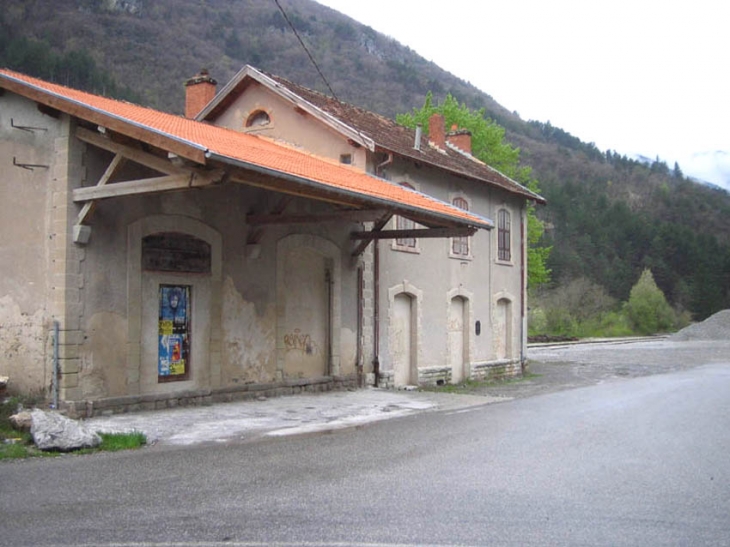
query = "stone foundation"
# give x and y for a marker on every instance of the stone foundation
(496, 370)
(434, 376)
(437, 376)
(158, 401)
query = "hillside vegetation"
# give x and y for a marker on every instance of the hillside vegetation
(608, 217)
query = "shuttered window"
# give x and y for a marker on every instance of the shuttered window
(460, 245)
(504, 235)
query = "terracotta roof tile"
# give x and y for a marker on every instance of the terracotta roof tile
(246, 149)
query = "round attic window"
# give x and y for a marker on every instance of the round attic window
(259, 118)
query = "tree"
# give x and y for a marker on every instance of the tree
(677, 172)
(489, 146)
(647, 308)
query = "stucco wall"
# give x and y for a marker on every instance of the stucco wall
(479, 281)
(26, 203)
(288, 124)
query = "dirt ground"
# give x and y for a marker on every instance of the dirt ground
(566, 366)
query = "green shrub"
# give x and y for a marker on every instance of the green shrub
(647, 308)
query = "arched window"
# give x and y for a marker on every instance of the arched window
(504, 236)
(402, 223)
(460, 245)
(258, 118)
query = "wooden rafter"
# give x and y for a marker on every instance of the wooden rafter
(255, 235)
(136, 155)
(89, 206)
(377, 227)
(142, 186)
(417, 233)
(338, 216)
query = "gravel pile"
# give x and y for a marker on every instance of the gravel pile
(716, 327)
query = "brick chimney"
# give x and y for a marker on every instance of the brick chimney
(460, 138)
(436, 131)
(199, 91)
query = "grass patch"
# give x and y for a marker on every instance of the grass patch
(111, 442)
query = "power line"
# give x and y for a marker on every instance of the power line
(311, 58)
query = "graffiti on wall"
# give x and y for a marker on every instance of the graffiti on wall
(301, 342)
(174, 332)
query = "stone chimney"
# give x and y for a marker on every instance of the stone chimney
(436, 131)
(199, 91)
(460, 138)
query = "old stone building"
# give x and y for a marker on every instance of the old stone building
(272, 241)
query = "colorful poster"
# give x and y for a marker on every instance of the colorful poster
(174, 332)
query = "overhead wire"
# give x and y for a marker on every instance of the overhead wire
(316, 66)
(309, 54)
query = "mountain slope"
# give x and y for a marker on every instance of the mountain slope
(608, 216)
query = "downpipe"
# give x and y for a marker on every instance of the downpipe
(54, 379)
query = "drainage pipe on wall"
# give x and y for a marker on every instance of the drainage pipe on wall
(376, 287)
(56, 329)
(358, 357)
(376, 312)
(523, 289)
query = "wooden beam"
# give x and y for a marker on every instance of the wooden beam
(143, 186)
(340, 216)
(89, 206)
(377, 227)
(281, 186)
(138, 156)
(255, 234)
(323, 193)
(48, 111)
(422, 233)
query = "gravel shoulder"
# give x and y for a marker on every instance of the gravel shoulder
(567, 366)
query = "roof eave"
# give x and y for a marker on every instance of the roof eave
(73, 107)
(480, 222)
(521, 191)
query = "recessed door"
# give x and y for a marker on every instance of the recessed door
(402, 331)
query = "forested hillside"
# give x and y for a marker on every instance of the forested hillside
(608, 217)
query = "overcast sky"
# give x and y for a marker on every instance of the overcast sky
(640, 77)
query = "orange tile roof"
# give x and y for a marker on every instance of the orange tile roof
(204, 140)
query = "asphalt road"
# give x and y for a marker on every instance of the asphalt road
(636, 462)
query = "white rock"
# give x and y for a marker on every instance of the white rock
(52, 431)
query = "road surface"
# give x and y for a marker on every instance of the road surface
(637, 462)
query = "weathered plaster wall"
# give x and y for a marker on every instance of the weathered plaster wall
(26, 203)
(241, 342)
(249, 341)
(102, 369)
